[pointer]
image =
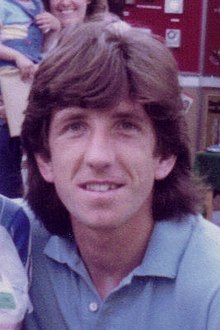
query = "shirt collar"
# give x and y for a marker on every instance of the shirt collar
(166, 248)
(162, 258)
(63, 251)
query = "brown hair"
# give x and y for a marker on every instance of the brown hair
(96, 65)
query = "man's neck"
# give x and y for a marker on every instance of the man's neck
(111, 255)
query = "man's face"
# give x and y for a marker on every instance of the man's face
(103, 164)
(69, 11)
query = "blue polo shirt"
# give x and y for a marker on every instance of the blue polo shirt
(177, 285)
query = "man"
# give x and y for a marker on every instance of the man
(122, 245)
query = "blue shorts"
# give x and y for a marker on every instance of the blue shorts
(10, 163)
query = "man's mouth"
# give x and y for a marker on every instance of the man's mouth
(67, 11)
(100, 187)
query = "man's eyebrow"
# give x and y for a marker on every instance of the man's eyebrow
(68, 114)
(128, 115)
(65, 116)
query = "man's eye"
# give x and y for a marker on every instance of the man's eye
(75, 127)
(127, 125)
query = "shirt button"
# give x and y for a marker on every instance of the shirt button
(93, 307)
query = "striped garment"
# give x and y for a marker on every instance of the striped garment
(18, 29)
(14, 264)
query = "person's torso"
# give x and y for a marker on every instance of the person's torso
(144, 300)
(19, 30)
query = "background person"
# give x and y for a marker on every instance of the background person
(24, 34)
(74, 11)
(14, 264)
(110, 179)
(22, 38)
(10, 158)
(68, 13)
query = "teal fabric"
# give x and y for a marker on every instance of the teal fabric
(177, 286)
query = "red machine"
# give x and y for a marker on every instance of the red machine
(178, 21)
(212, 44)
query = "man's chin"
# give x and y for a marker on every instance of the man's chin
(102, 224)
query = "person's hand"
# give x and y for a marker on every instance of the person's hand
(47, 22)
(25, 66)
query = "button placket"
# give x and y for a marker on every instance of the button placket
(93, 307)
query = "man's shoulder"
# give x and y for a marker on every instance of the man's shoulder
(202, 252)
(206, 236)
(40, 236)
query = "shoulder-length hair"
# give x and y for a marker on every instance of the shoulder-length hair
(95, 66)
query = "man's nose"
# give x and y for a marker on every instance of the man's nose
(100, 152)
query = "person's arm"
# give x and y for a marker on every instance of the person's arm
(25, 66)
(51, 28)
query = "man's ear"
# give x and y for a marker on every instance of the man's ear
(164, 167)
(45, 167)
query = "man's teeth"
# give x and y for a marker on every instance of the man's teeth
(100, 187)
(67, 11)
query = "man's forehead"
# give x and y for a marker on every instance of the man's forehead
(124, 107)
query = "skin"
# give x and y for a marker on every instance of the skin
(104, 168)
(62, 13)
(69, 11)
(50, 26)
(25, 66)
(48, 22)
